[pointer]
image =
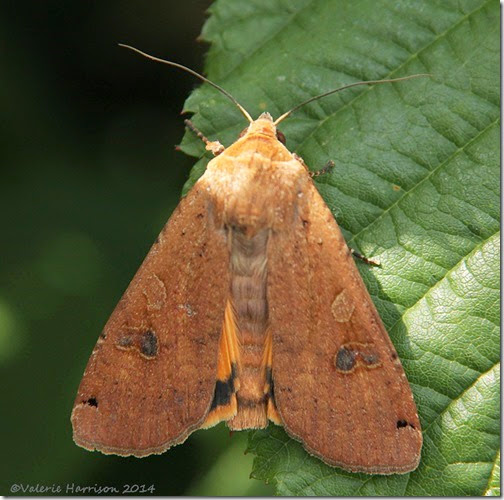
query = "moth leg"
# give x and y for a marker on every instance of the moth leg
(326, 168)
(371, 262)
(214, 146)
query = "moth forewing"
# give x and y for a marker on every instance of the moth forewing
(339, 385)
(150, 380)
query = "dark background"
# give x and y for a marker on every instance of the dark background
(89, 176)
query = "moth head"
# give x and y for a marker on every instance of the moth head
(262, 126)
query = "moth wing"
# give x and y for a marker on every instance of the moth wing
(339, 385)
(150, 380)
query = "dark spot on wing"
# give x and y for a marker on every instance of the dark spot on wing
(149, 344)
(356, 354)
(403, 423)
(345, 359)
(125, 341)
(271, 385)
(224, 389)
(369, 359)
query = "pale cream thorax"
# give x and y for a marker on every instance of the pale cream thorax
(255, 181)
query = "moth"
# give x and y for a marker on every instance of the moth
(248, 309)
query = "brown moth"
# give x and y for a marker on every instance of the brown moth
(249, 308)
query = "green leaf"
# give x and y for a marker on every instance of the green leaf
(493, 489)
(416, 184)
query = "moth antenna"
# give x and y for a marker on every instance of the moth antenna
(197, 75)
(370, 82)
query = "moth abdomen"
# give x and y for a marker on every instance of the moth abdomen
(248, 290)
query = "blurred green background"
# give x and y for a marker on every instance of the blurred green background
(89, 177)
